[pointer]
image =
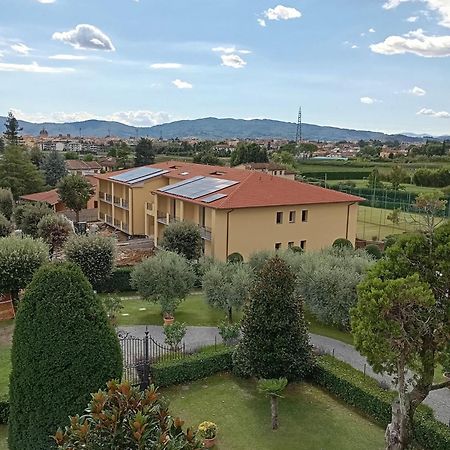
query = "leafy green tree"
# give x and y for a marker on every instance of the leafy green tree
(28, 215)
(94, 254)
(63, 348)
(12, 130)
(18, 173)
(6, 203)
(247, 153)
(284, 158)
(36, 156)
(273, 388)
(342, 243)
(406, 299)
(144, 423)
(308, 147)
(19, 259)
(166, 278)
(374, 180)
(275, 340)
(75, 191)
(397, 176)
(183, 238)
(226, 286)
(144, 153)
(431, 207)
(88, 157)
(54, 167)
(394, 216)
(54, 229)
(71, 155)
(208, 158)
(174, 334)
(5, 226)
(2, 145)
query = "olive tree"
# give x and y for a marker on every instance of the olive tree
(19, 259)
(75, 191)
(166, 278)
(55, 229)
(183, 238)
(6, 203)
(227, 285)
(5, 226)
(28, 215)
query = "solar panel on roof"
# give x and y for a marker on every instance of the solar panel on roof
(213, 198)
(135, 174)
(147, 177)
(198, 187)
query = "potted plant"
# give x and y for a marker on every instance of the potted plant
(208, 431)
(168, 319)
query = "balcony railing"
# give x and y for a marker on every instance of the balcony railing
(108, 198)
(125, 227)
(206, 233)
(117, 201)
(163, 217)
(124, 204)
(108, 220)
(101, 195)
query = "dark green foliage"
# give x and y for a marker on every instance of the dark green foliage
(54, 167)
(144, 153)
(374, 250)
(54, 229)
(342, 243)
(296, 249)
(247, 153)
(332, 175)
(36, 156)
(63, 348)
(6, 203)
(235, 258)
(4, 411)
(118, 281)
(2, 145)
(94, 254)
(12, 130)
(5, 226)
(208, 158)
(431, 178)
(183, 238)
(18, 173)
(75, 191)
(275, 339)
(191, 368)
(28, 215)
(364, 393)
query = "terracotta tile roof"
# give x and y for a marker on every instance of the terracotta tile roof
(254, 189)
(50, 197)
(78, 164)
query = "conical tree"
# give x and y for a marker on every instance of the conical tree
(63, 348)
(275, 340)
(54, 167)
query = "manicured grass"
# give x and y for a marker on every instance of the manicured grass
(3, 437)
(193, 311)
(309, 418)
(322, 329)
(6, 330)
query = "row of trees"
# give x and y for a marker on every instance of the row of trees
(432, 178)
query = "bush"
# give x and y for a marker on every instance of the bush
(374, 250)
(191, 368)
(229, 332)
(235, 258)
(342, 243)
(118, 281)
(174, 334)
(54, 229)
(4, 411)
(5, 226)
(296, 249)
(63, 348)
(142, 422)
(28, 215)
(6, 203)
(364, 393)
(94, 254)
(183, 238)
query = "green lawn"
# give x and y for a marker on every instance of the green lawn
(6, 329)
(193, 311)
(309, 418)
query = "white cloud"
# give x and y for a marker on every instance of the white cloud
(281, 12)
(85, 36)
(133, 118)
(21, 48)
(371, 30)
(262, 22)
(234, 61)
(46, 1)
(416, 42)
(224, 49)
(412, 19)
(34, 67)
(417, 91)
(442, 7)
(435, 114)
(64, 57)
(182, 84)
(162, 66)
(354, 46)
(368, 100)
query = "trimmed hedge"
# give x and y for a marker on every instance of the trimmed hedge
(191, 368)
(119, 281)
(4, 411)
(364, 393)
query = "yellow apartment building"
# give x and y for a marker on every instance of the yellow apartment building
(237, 210)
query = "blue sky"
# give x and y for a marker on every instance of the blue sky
(366, 64)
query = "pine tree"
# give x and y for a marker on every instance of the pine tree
(275, 340)
(12, 130)
(63, 348)
(144, 153)
(54, 167)
(18, 173)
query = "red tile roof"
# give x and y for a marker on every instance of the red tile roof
(78, 164)
(255, 189)
(50, 197)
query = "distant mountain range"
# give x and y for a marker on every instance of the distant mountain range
(212, 128)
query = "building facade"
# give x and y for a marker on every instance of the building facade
(238, 211)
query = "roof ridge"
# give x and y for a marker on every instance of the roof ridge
(241, 184)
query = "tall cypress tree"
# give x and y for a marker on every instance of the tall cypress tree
(54, 167)
(275, 340)
(12, 130)
(63, 348)
(144, 153)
